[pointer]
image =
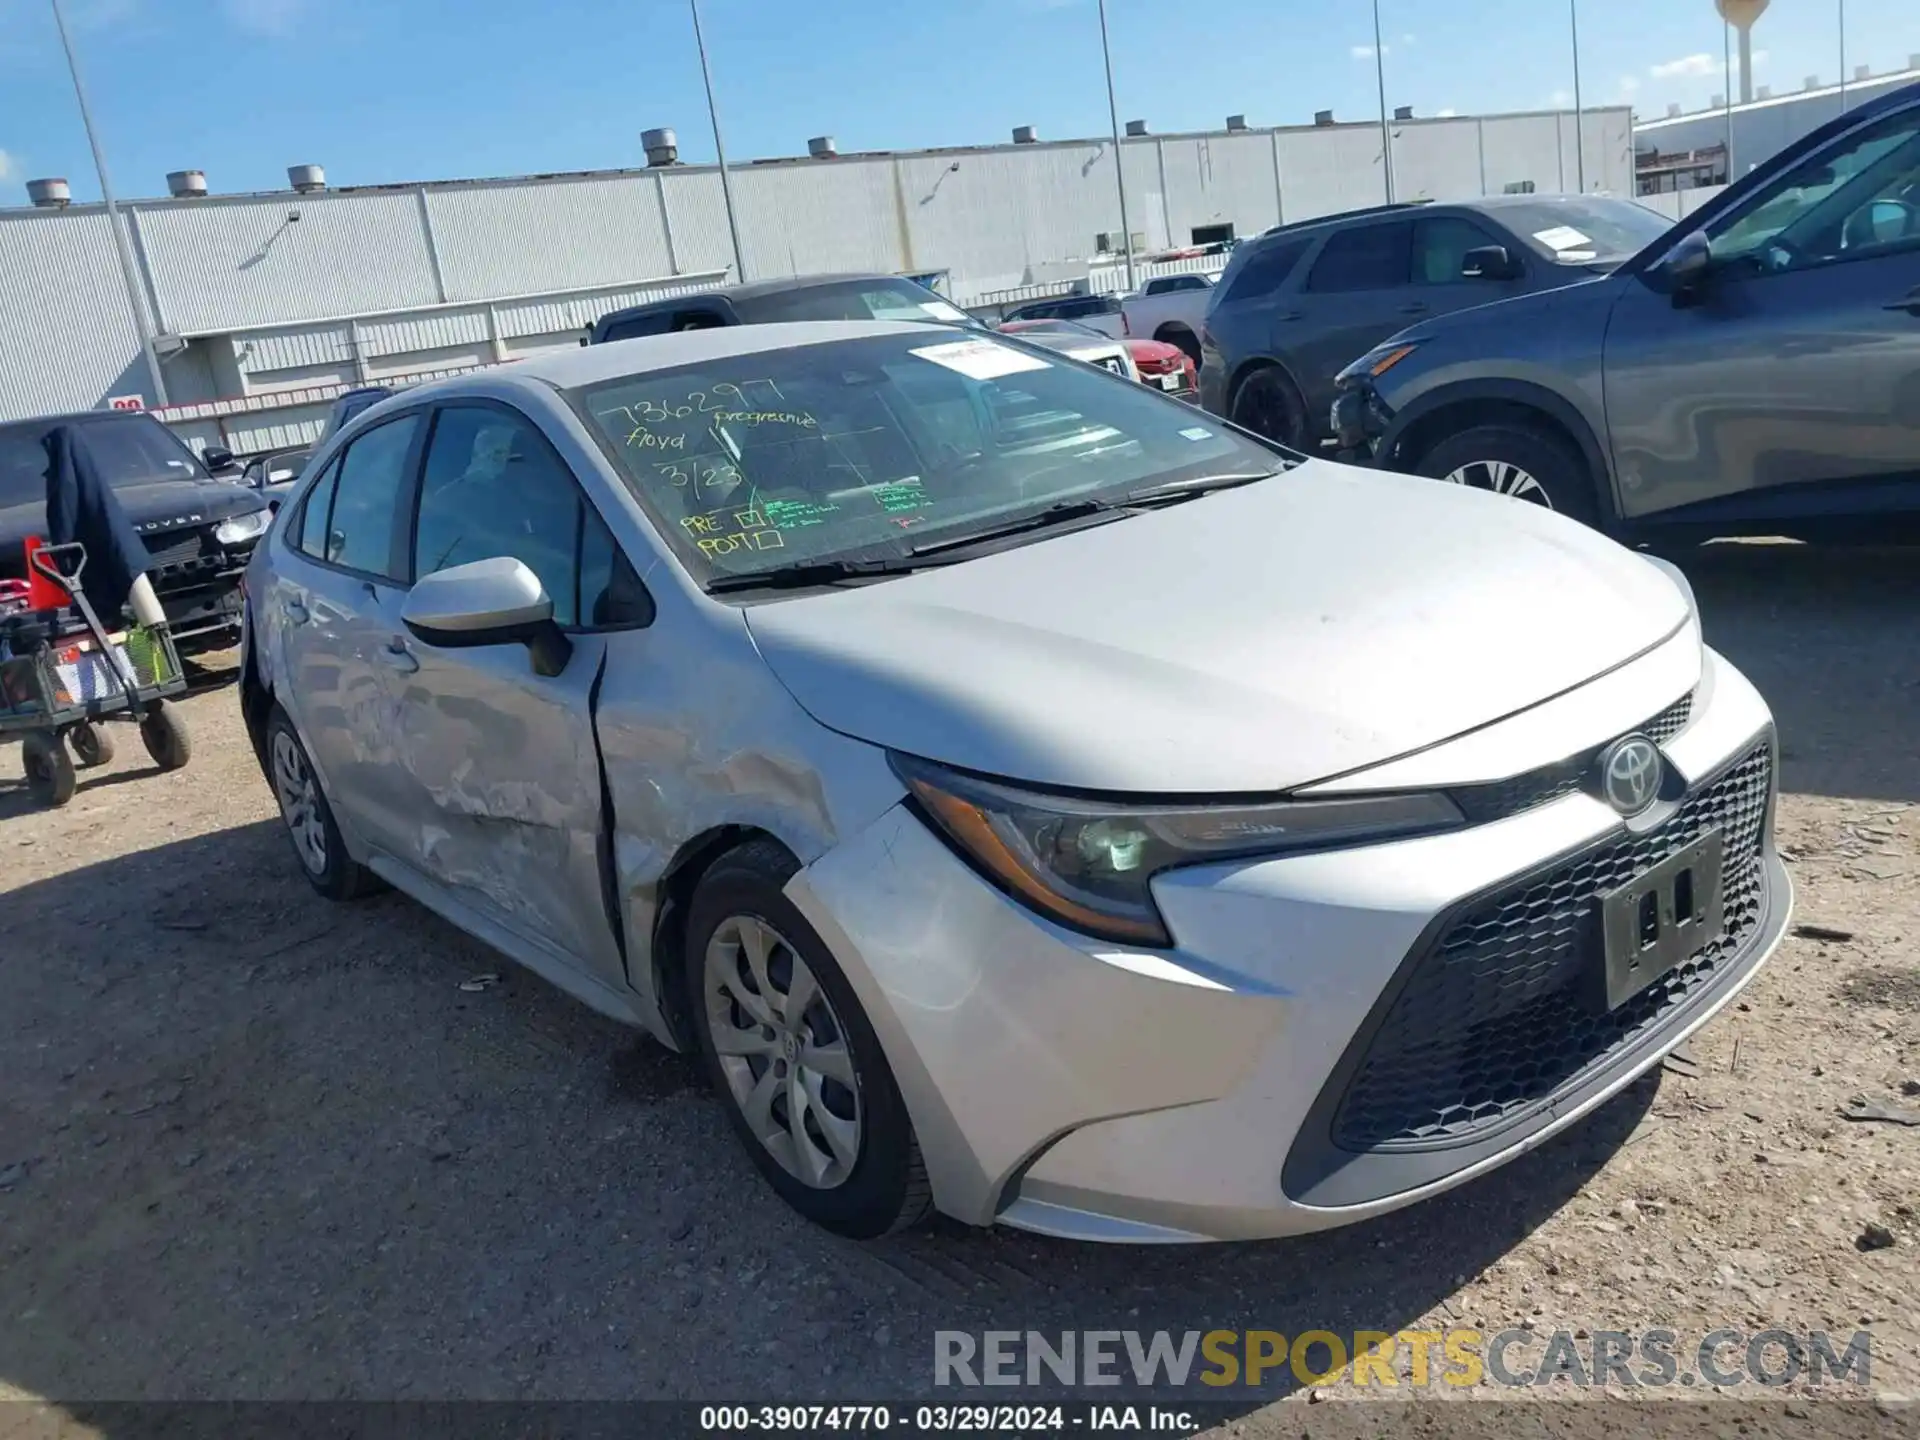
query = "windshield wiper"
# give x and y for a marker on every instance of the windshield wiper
(1187, 489)
(1057, 514)
(810, 572)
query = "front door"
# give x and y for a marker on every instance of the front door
(1797, 359)
(502, 763)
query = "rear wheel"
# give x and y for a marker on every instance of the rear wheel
(308, 818)
(1518, 460)
(1184, 338)
(798, 1067)
(91, 743)
(165, 735)
(1268, 403)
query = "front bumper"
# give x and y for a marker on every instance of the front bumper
(1076, 1087)
(1358, 420)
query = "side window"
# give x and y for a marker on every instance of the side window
(493, 486)
(1859, 198)
(1265, 270)
(1158, 287)
(1187, 282)
(1367, 257)
(371, 478)
(1440, 246)
(654, 324)
(310, 534)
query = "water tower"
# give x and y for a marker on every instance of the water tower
(1741, 14)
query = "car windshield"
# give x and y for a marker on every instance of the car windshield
(128, 452)
(880, 298)
(1585, 229)
(867, 448)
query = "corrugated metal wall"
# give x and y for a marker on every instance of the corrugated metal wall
(488, 269)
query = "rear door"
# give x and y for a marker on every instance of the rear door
(1357, 292)
(336, 602)
(1797, 361)
(501, 765)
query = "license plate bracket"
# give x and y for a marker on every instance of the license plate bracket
(1661, 918)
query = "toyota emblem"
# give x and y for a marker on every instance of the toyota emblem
(1630, 774)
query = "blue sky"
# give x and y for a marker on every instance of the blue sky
(392, 90)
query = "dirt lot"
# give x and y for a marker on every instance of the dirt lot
(256, 1146)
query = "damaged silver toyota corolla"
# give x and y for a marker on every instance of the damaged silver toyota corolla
(1031, 798)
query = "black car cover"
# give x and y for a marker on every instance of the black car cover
(81, 506)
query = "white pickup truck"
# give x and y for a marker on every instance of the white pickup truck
(1167, 308)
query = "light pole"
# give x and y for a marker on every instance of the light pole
(1119, 165)
(120, 245)
(1579, 125)
(1726, 47)
(1380, 76)
(1843, 55)
(719, 150)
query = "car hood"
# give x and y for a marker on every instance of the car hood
(1254, 640)
(152, 508)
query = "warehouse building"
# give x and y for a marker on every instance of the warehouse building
(269, 304)
(1686, 151)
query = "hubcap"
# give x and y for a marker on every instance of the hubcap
(783, 1051)
(1265, 408)
(1503, 479)
(299, 803)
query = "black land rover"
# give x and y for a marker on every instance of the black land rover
(199, 530)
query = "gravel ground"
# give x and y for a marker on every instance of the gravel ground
(255, 1146)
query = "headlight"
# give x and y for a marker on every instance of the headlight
(243, 527)
(1087, 863)
(1376, 362)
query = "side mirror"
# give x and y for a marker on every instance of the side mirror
(1684, 266)
(1488, 262)
(488, 602)
(218, 459)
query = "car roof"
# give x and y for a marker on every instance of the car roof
(751, 290)
(574, 365)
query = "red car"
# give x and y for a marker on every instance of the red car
(1167, 366)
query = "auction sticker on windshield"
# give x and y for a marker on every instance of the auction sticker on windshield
(940, 310)
(980, 359)
(1563, 237)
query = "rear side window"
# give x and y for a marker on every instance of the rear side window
(1367, 257)
(1264, 271)
(366, 498)
(310, 535)
(653, 324)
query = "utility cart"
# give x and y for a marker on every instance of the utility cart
(62, 682)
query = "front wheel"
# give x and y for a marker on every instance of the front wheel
(165, 735)
(92, 745)
(1520, 461)
(1268, 403)
(49, 767)
(797, 1065)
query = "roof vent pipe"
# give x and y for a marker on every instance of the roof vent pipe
(1025, 135)
(50, 194)
(662, 146)
(1236, 122)
(306, 178)
(1136, 127)
(1323, 118)
(821, 147)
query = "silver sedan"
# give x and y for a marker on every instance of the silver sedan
(1031, 798)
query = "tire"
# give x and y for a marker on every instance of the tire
(1529, 463)
(1185, 339)
(50, 777)
(92, 745)
(854, 1167)
(165, 735)
(1268, 403)
(311, 830)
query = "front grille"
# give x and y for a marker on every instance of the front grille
(1501, 798)
(1498, 1014)
(180, 558)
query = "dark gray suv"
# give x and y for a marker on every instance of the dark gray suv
(1299, 302)
(1755, 371)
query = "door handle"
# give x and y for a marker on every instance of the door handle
(1416, 308)
(1911, 304)
(295, 611)
(396, 655)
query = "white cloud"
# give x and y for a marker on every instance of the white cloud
(1689, 66)
(6, 166)
(1446, 112)
(1560, 99)
(1629, 84)
(1406, 39)
(266, 17)
(1365, 52)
